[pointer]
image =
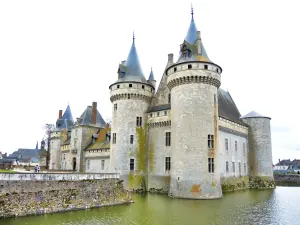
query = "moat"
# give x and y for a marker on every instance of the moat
(279, 206)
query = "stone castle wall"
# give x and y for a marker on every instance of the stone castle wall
(39, 196)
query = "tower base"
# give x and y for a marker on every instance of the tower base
(262, 182)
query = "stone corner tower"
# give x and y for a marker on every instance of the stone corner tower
(130, 95)
(260, 150)
(194, 81)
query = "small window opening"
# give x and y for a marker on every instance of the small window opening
(118, 86)
(131, 164)
(189, 66)
(131, 139)
(130, 85)
(205, 67)
(143, 86)
(175, 69)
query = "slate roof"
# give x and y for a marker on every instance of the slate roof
(254, 114)
(23, 154)
(227, 107)
(66, 121)
(151, 76)
(131, 70)
(86, 118)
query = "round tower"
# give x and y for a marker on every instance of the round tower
(193, 81)
(260, 150)
(130, 96)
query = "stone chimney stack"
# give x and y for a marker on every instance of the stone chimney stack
(60, 114)
(94, 112)
(170, 57)
(278, 160)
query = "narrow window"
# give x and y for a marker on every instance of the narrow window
(169, 98)
(175, 69)
(150, 114)
(114, 138)
(131, 139)
(245, 169)
(166, 113)
(143, 86)
(205, 67)
(189, 66)
(240, 169)
(227, 167)
(139, 121)
(233, 167)
(244, 149)
(115, 107)
(130, 85)
(118, 86)
(217, 70)
(102, 164)
(210, 141)
(168, 163)
(131, 164)
(168, 138)
(157, 113)
(226, 145)
(215, 99)
(128, 96)
(211, 168)
(236, 146)
(88, 164)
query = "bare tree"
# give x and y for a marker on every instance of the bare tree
(49, 128)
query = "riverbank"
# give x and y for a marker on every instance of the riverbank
(35, 194)
(287, 179)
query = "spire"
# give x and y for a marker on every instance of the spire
(37, 145)
(191, 35)
(133, 37)
(151, 76)
(192, 11)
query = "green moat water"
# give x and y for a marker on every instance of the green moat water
(279, 206)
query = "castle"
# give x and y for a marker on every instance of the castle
(186, 138)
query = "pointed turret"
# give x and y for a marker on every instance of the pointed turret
(66, 121)
(192, 48)
(130, 70)
(151, 79)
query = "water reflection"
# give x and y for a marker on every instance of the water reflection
(279, 206)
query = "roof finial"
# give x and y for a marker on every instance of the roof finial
(133, 37)
(192, 11)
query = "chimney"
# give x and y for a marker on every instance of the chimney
(59, 114)
(278, 160)
(198, 35)
(94, 112)
(170, 57)
(107, 125)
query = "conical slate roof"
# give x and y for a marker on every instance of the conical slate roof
(86, 118)
(190, 44)
(151, 76)
(254, 114)
(66, 121)
(131, 70)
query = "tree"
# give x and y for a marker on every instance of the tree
(49, 128)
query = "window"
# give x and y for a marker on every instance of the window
(169, 98)
(139, 121)
(217, 70)
(211, 168)
(205, 67)
(130, 85)
(102, 164)
(233, 167)
(157, 113)
(131, 139)
(128, 96)
(131, 164)
(175, 69)
(115, 107)
(236, 146)
(226, 145)
(75, 133)
(168, 163)
(215, 99)
(143, 86)
(150, 114)
(245, 169)
(240, 169)
(168, 138)
(244, 149)
(118, 86)
(189, 66)
(88, 164)
(166, 113)
(227, 167)
(210, 141)
(114, 138)
(64, 157)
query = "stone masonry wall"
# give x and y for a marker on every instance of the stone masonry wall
(33, 197)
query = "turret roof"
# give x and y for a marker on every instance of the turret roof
(254, 114)
(66, 121)
(151, 76)
(131, 70)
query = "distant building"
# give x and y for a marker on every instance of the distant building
(287, 166)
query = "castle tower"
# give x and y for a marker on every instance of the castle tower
(260, 153)
(130, 96)
(194, 81)
(151, 79)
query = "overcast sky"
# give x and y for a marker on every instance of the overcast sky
(57, 52)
